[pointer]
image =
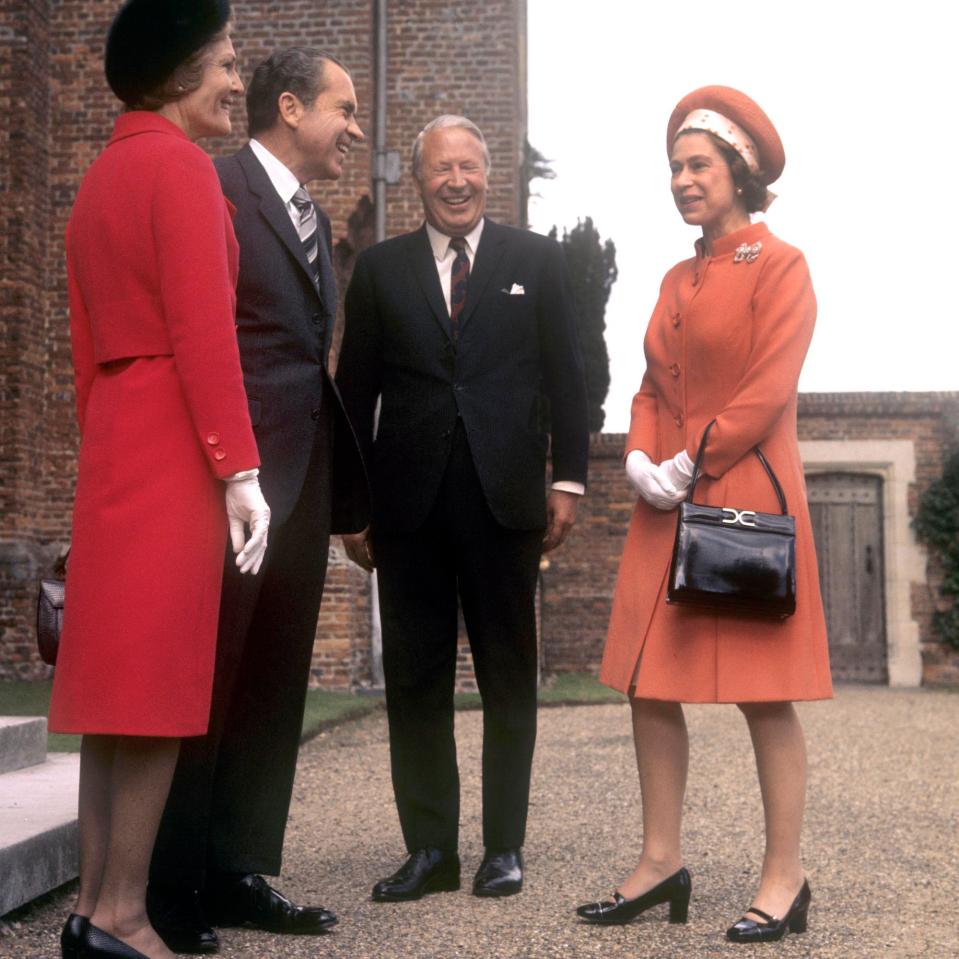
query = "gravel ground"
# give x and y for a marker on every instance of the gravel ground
(880, 842)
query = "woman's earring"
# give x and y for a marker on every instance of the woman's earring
(739, 191)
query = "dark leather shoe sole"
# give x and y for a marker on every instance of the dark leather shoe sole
(439, 883)
(495, 892)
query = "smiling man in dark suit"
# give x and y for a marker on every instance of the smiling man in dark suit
(459, 328)
(227, 812)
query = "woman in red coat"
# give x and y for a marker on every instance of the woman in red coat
(163, 418)
(726, 342)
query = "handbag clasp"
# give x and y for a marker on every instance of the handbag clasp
(744, 517)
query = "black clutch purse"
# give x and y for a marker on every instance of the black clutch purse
(50, 611)
(734, 559)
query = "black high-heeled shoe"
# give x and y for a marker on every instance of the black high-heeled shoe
(71, 939)
(97, 944)
(675, 890)
(773, 929)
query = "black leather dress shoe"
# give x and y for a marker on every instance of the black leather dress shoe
(426, 870)
(97, 944)
(178, 918)
(772, 929)
(500, 873)
(619, 910)
(251, 900)
(71, 939)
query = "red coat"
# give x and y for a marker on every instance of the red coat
(727, 339)
(152, 262)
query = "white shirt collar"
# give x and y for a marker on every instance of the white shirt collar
(282, 178)
(440, 242)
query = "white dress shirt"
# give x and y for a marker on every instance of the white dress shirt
(444, 255)
(282, 178)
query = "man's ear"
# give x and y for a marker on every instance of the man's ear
(290, 109)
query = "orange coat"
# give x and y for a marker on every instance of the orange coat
(727, 340)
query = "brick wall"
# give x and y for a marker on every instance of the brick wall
(579, 584)
(58, 113)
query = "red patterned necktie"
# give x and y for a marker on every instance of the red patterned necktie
(459, 279)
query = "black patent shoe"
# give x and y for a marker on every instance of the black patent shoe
(675, 890)
(178, 919)
(426, 870)
(500, 873)
(71, 939)
(251, 900)
(97, 944)
(773, 929)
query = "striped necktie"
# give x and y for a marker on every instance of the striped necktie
(307, 230)
(459, 278)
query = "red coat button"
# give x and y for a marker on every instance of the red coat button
(219, 454)
(212, 438)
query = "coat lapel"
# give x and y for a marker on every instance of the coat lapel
(424, 267)
(272, 209)
(492, 245)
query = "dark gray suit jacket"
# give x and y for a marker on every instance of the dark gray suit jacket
(513, 348)
(284, 329)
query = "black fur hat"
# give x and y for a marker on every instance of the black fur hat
(149, 39)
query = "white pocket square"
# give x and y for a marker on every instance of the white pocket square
(516, 290)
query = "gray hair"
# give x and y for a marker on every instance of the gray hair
(441, 123)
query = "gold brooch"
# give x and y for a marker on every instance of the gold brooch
(747, 252)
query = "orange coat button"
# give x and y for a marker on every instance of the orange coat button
(678, 419)
(676, 319)
(674, 369)
(219, 454)
(212, 439)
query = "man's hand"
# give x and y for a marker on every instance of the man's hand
(359, 549)
(560, 516)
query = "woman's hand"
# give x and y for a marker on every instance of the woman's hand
(651, 482)
(678, 470)
(245, 506)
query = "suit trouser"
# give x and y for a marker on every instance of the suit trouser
(460, 548)
(230, 797)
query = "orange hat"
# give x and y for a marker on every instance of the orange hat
(736, 120)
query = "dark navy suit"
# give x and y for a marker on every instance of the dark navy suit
(457, 470)
(230, 799)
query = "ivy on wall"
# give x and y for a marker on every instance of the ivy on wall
(937, 525)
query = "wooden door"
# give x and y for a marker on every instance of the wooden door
(846, 511)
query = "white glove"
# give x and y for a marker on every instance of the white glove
(678, 470)
(651, 482)
(245, 506)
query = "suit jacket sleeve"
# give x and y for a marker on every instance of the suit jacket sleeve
(359, 368)
(784, 314)
(563, 371)
(192, 232)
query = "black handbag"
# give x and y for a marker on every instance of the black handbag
(734, 559)
(50, 611)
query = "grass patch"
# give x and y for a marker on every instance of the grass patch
(323, 709)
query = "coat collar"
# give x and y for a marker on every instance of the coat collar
(728, 243)
(134, 122)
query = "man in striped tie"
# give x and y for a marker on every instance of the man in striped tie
(228, 807)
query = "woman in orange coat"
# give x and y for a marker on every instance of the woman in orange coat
(152, 263)
(726, 342)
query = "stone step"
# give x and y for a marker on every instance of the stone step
(23, 742)
(38, 829)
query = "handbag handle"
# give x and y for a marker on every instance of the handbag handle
(697, 470)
